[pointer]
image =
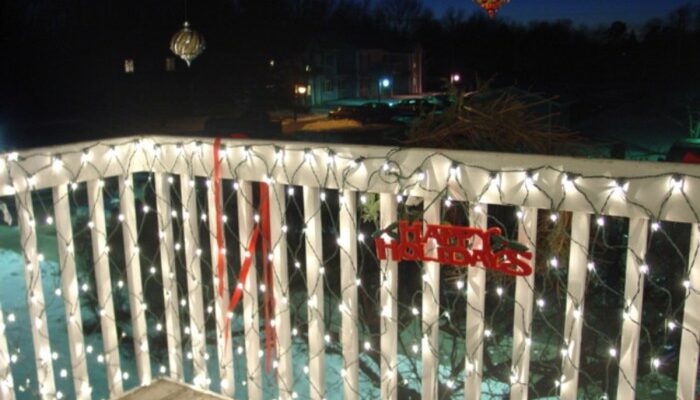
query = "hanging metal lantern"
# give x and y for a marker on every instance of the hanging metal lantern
(491, 6)
(187, 43)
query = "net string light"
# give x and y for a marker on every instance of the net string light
(403, 179)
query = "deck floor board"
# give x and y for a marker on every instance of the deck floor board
(165, 389)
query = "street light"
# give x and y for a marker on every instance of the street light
(299, 91)
(454, 78)
(383, 83)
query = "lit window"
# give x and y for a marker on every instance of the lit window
(170, 64)
(129, 65)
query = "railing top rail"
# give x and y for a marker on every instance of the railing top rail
(665, 191)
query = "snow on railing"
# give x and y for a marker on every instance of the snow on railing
(321, 314)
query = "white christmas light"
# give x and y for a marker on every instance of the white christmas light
(676, 183)
(620, 186)
(540, 302)
(644, 269)
(655, 363)
(57, 164)
(330, 158)
(567, 182)
(454, 170)
(577, 313)
(530, 179)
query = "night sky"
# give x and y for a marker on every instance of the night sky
(591, 12)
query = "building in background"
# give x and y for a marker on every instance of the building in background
(358, 73)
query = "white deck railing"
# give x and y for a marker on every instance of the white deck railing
(648, 195)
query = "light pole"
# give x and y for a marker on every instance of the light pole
(299, 91)
(383, 83)
(455, 78)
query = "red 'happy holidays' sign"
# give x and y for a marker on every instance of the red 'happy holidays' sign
(454, 245)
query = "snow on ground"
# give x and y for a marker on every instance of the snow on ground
(331, 124)
(13, 302)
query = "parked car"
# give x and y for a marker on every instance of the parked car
(685, 151)
(416, 106)
(366, 113)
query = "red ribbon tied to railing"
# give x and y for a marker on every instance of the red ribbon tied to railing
(264, 226)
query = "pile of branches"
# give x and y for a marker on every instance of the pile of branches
(489, 120)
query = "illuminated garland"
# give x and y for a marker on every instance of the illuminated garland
(460, 186)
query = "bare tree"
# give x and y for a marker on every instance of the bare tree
(400, 15)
